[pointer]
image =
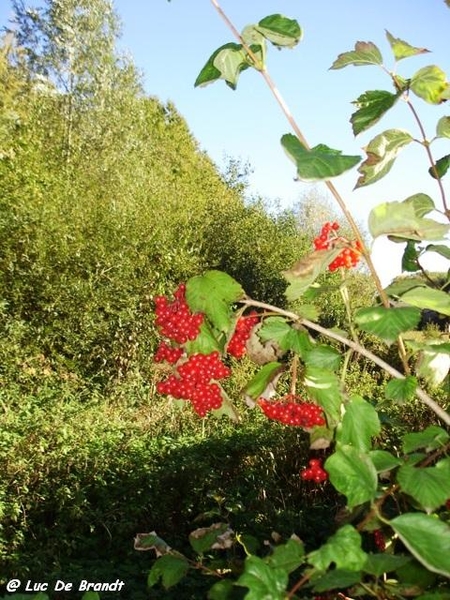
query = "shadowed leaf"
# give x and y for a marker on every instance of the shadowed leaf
(365, 53)
(372, 105)
(280, 30)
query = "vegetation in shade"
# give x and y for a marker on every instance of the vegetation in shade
(321, 465)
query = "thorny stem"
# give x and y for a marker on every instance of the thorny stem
(341, 202)
(357, 347)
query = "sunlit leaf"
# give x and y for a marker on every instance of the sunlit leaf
(170, 569)
(353, 474)
(365, 53)
(323, 356)
(378, 564)
(397, 288)
(372, 105)
(261, 380)
(430, 486)
(280, 30)
(319, 163)
(262, 580)
(402, 49)
(441, 167)
(410, 257)
(359, 424)
(343, 549)
(288, 556)
(288, 338)
(425, 297)
(387, 323)
(443, 127)
(427, 538)
(439, 249)
(325, 388)
(305, 271)
(216, 536)
(381, 154)
(226, 62)
(433, 365)
(401, 390)
(431, 438)
(336, 579)
(430, 83)
(384, 460)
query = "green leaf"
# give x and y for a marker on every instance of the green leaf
(323, 356)
(429, 486)
(401, 390)
(227, 409)
(443, 127)
(288, 556)
(210, 72)
(261, 380)
(365, 53)
(319, 163)
(278, 330)
(397, 288)
(410, 257)
(427, 538)
(343, 549)
(359, 424)
(431, 438)
(439, 249)
(263, 581)
(378, 564)
(86, 596)
(381, 154)
(227, 62)
(151, 541)
(402, 49)
(325, 387)
(336, 579)
(206, 538)
(387, 323)
(305, 271)
(213, 294)
(205, 343)
(280, 31)
(425, 297)
(441, 167)
(430, 83)
(372, 105)
(222, 590)
(170, 569)
(404, 220)
(353, 474)
(433, 365)
(384, 461)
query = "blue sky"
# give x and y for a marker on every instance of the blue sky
(171, 41)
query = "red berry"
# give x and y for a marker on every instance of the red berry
(242, 332)
(290, 412)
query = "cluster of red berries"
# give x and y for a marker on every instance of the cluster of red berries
(244, 326)
(290, 412)
(175, 319)
(168, 353)
(350, 255)
(193, 381)
(379, 540)
(315, 472)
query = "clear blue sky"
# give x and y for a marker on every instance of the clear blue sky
(171, 41)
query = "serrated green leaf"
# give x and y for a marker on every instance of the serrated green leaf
(359, 424)
(280, 31)
(170, 569)
(410, 257)
(365, 53)
(441, 167)
(213, 293)
(319, 163)
(430, 486)
(205, 343)
(210, 71)
(430, 83)
(263, 581)
(401, 390)
(203, 539)
(325, 388)
(387, 323)
(431, 438)
(439, 249)
(403, 221)
(402, 49)
(261, 380)
(343, 549)
(397, 288)
(323, 356)
(427, 538)
(305, 271)
(428, 298)
(378, 564)
(421, 203)
(288, 556)
(381, 154)
(353, 474)
(443, 127)
(372, 105)
(279, 330)
(230, 62)
(336, 579)
(384, 460)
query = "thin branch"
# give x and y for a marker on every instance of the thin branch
(421, 394)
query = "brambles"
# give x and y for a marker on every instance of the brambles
(328, 238)
(290, 412)
(175, 319)
(244, 326)
(315, 472)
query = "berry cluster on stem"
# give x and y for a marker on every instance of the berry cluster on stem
(245, 324)
(175, 319)
(328, 238)
(289, 411)
(315, 472)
